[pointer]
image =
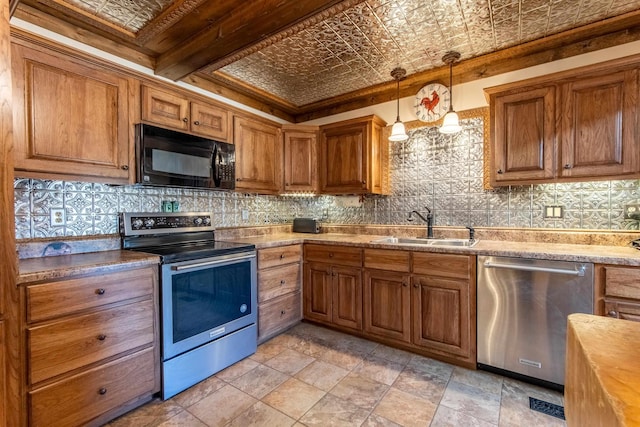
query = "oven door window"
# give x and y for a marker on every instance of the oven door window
(209, 298)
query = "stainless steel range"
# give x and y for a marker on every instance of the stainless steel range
(208, 298)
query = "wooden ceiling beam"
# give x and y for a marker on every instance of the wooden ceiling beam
(248, 24)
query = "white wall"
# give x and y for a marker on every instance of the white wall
(465, 96)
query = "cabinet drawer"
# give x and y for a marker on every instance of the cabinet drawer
(386, 259)
(339, 255)
(443, 265)
(60, 347)
(55, 299)
(622, 282)
(273, 257)
(278, 314)
(622, 310)
(78, 399)
(277, 281)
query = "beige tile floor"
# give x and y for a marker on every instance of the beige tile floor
(312, 376)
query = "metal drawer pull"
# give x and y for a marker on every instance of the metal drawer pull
(579, 272)
(100, 291)
(282, 282)
(282, 312)
(281, 256)
(102, 390)
(613, 313)
(102, 337)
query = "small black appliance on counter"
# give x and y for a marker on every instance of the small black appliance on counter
(306, 225)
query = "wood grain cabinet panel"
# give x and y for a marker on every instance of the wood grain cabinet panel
(354, 157)
(284, 310)
(346, 294)
(49, 300)
(71, 118)
(165, 108)
(281, 255)
(599, 130)
(441, 314)
(317, 292)
(300, 159)
(96, 357)
(387, 308)
(339, 255)
(178, 111)
(72, 343)
(279, 286)
(618, 292)
(258, 156)
(79, 399)
(523, 129)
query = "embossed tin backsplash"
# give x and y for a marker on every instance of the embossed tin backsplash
(429, 169)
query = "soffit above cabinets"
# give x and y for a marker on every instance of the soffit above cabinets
(303, 59)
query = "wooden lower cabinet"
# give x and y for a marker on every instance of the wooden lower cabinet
(279, 286)
(333, 295)
(92, 349)
(617, 293)
(387, 307)
(77, 400)
(441, 314)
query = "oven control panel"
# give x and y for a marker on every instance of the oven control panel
(147, 223)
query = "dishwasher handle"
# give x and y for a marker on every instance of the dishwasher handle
(579, 272)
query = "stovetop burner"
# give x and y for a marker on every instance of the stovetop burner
(175, 236)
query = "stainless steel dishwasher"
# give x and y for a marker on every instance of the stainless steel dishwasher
(522, 309)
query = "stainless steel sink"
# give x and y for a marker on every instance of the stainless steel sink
(427, 242)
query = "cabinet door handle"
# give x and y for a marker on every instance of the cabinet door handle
(103, 390)
(185, 120)
(613, 313)
(499, 171)
(282, 312)
(125, 167)
(281, 256)
(282, 282)
(331, 255)
(405, 284)
(102, 337)
(568, 166)
(197, 123)
(415, 285)
(100, 291)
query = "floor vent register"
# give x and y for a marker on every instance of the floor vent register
(546, 408)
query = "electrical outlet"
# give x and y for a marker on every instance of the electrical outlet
(245, 214)
(57, 217)
(553, 212)
(632, 211)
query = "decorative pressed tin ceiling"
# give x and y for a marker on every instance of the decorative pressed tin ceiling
(297, 53)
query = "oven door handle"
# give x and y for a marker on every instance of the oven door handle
(225, 261)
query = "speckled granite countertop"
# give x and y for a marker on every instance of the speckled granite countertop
(54, 267)
(622, 255)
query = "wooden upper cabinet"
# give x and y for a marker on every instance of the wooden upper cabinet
(523, 129)
(177, 111)
(300, 158)
(258, 156)
(71, 117)
(599, 126)
(165, 108)
(354, 157)
(579, 124)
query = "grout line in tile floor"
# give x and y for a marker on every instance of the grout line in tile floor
(313, 376)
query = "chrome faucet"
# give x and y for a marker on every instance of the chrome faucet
(428, 220)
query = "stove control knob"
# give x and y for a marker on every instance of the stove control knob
(197, 221)
(149, 222)
(136, 223)
(207, 220)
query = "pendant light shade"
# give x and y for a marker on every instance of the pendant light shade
(450, 123)
(398, 132)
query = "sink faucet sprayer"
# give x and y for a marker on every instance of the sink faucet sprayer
(428, 220)
(472, 232)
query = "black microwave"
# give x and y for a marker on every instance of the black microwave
(176, 159)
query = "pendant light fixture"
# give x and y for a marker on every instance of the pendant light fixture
(398, 132)
(450, 123)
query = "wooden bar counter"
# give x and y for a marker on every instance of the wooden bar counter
(602, 384)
